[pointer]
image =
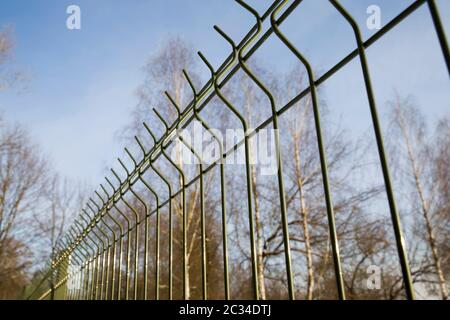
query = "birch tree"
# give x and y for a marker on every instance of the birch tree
(421, 166)
(164, 72)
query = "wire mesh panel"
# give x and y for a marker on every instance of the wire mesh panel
(148, 224)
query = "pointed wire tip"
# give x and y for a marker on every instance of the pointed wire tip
(201, 55)
(217, 28)
(249, 8)
(242, 3)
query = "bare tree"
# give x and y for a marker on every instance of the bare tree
(421, 168)
(23, 173)
(364, 236)
(162, 72)
(60, 202)
(304, 193)
(16, 259)
(441, 199)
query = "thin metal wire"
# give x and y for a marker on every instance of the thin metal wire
(440, 32)
(321, 148)
(381, 152)
(222, 184)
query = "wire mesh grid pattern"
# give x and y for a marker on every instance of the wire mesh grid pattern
(105, 254)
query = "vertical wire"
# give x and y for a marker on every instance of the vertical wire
(222, 182)
(322, 154)
(281, 191)
(382, 154)
(440, 32)
(244, 124)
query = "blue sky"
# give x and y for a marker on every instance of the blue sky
(82, 82)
